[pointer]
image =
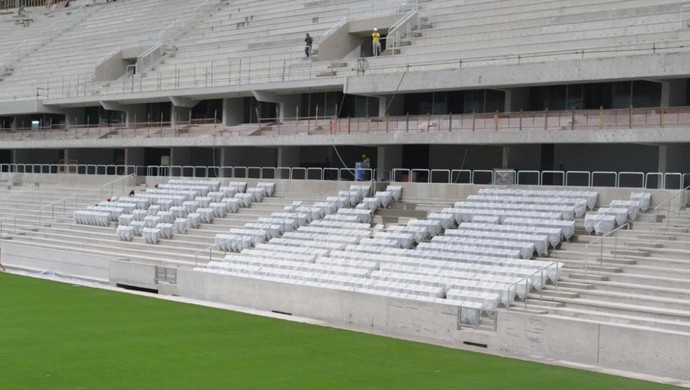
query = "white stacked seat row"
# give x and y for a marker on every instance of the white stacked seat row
(126, 207)
(245, 200)
(166, 230)
(526, 249)
(233, 204)
(632, 207)
(88, 217)
(621, 215)
(125, 219)
(488, 300)
(233, 242)
(240, 185)
(286, 224)
(566, 212)
(380, 244)
(206, 215)
(202, 201)
(210, 184)
(269, 188)
(125, 233)
(271, 230)
(150, 221)
(329, 207)
(363, 189)
(385, 198)
(220, 209)
(486, 219)
(314, 212)
(300, 218)
(434, 227)
(194, 220)
(554, 235)
(590, 196)
(113, 212)
(151, 235)
(299, 235)
(644, 199)
(472, 249)
(137, 227)
(271, 254)
(165, 201)
(275, 248)
(341, 225)
(255, 194)
(139, 215)
(578, 205)
(311, 244)
(356, 263)
(567, 227)
(359, 233)
(451, 261)
(353, 196)
(362, 215)
(419, 233)
(138, 202)
(295, 265)
(537, 278)
(395, 191)
(180, 225)
(599, 223)
(540, 242)
(524, 279)
(341, 218)
(447, 220)
(369, 204)
(166, 216)
(405, 240)
(196, 189)
(339, 202)
(164, 192)
(349, 283)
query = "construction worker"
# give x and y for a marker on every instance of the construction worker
(375, 42)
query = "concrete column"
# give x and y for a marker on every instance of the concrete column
(383, 102)
(233, 111)
(673, 93)
(387, 159)
(663, 154)
(516, 99)
(289, 156)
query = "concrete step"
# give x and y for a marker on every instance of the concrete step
(575, 285)
(629, 252)
(620, 319)
(587, 276)
(542, 302)
(627, 309)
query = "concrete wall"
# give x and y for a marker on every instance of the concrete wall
(62, 262)
(134, 274)
(520, 334)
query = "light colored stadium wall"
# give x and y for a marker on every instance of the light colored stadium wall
(656, 353)
(62, 262)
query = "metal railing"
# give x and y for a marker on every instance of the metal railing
(53, 204)
(394, 30)
(331, 31)
(600, 240)
(210, 254)
(443, 176)
(123, 180)
(667, 203)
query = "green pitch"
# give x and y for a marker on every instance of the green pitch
(59, 336)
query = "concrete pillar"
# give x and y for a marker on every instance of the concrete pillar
(288, 107)
(233, 111)
(387, 159)
(383, 100)
(289, 156)
(673, 93)
(516, 99)
(663, 154)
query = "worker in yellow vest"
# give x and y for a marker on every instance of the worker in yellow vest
(375, 42)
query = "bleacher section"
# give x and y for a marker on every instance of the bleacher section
(241, 45)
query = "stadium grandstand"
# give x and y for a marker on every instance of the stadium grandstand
(507, 176)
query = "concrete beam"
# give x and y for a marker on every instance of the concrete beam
(179, 101)
(113, 106)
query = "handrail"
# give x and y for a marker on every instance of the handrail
(332, 30)
(210, 252)
(115, 181)
(601, 250)
(682, 9)
(668, 209)
(40, 209)
(393, 29)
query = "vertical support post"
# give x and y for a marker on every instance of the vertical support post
(601, 117)
(474, 119)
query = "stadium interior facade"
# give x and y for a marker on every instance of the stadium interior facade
(592, 95)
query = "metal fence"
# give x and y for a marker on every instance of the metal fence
(650, 180)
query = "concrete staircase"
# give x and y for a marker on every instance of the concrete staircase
(640, 277)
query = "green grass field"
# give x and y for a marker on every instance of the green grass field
(60, 336)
